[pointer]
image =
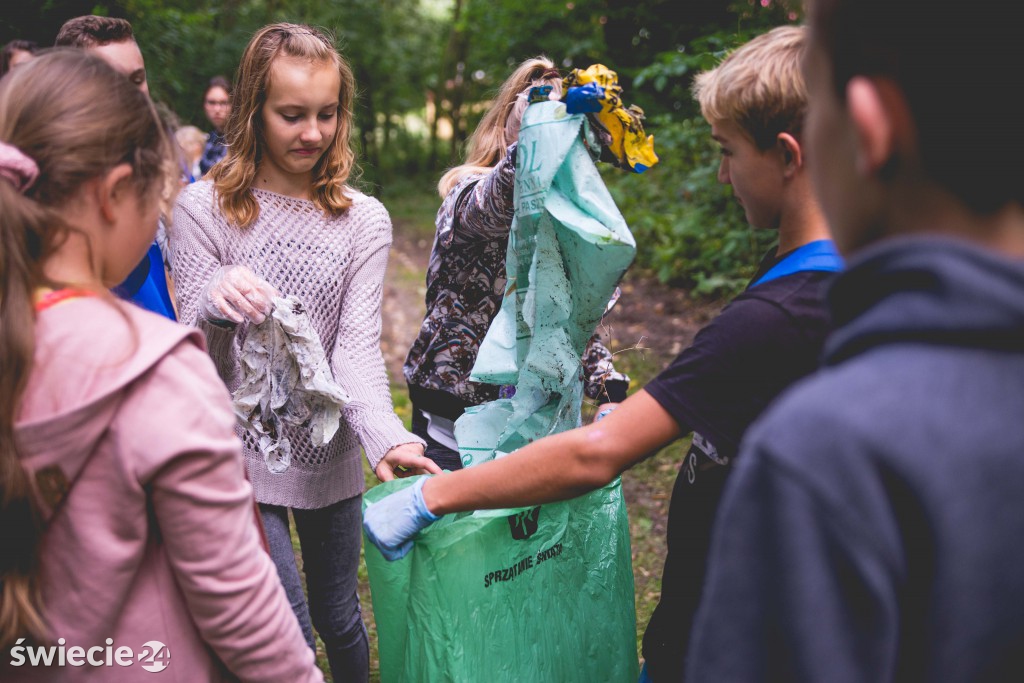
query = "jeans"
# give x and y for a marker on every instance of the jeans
(329, 539)
(446, 458)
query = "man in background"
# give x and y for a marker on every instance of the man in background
(113, 40)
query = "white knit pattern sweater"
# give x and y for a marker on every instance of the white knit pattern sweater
(335, 266)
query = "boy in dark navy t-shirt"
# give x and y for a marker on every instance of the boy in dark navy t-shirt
(768, 337)
(765, 339)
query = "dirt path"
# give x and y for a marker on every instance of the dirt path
(404, 290)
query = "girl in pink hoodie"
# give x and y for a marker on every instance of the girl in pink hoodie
(128, 540)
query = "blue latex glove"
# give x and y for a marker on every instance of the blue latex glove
(391, 522)
(584, 99)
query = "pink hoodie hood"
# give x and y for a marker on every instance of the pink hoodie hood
(71, 400)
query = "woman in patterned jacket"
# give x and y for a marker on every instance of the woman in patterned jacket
(466, 275)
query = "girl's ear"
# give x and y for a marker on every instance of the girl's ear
(792, 153)
(881, 121)
(114, 189)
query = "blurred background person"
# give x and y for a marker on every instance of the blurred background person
(113, 40)
(192, 142)
(110, 38)
(217, 107)
(16, 52)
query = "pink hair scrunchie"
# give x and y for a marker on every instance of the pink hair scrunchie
(17, 167)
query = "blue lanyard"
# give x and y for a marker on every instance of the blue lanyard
(820, 255)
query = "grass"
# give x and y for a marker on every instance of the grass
(648, 485)
(413, 204)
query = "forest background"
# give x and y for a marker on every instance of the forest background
(425, 71)
(426, 68)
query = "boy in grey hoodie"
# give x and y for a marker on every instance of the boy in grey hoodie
(871, 529)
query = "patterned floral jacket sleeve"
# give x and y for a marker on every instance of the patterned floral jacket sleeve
(480, 207)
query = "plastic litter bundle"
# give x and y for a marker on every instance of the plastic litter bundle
(544, 593)
(597, 90)
(286, 380)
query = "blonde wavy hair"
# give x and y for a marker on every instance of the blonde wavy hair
(234, 175)
(499, 127)
(759, 86)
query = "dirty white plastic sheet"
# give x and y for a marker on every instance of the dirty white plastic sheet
(286, 380)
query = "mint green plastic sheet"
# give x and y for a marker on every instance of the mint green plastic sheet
(541, 594)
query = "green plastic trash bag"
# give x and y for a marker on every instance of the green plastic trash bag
(541, 594)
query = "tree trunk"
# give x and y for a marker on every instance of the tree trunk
(453, 83)
(433, 106)
(369, 127)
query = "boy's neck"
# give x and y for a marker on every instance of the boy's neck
(802, 223)
(928, 209)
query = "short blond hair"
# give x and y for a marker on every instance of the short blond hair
(189, 136)
(759, 86)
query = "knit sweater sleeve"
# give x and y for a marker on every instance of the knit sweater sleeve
(197, 252)
(356, 359)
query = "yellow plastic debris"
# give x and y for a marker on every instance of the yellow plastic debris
(629, 145)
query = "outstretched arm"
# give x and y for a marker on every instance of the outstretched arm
(560, 466)
(557, 467)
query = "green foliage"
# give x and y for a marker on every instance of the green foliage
(689, 231)
(505, 33)
(671, 73)
(392, 46)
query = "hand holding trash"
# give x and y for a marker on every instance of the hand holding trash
(235, 294)
(405, 460)
(596, 91)
(391, 522)
(515, 116)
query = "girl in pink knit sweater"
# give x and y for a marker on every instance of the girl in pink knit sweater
(128, 541)
(276, 216)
